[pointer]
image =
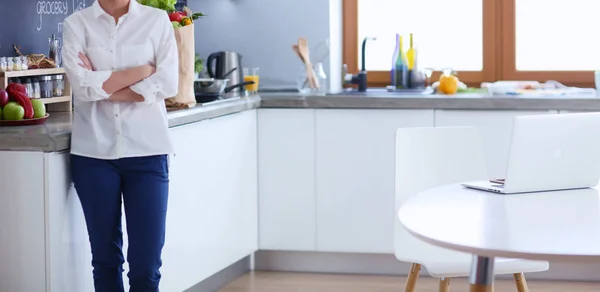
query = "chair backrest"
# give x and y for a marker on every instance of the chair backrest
(428, 158)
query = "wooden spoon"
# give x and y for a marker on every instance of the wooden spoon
(304, 52)
(297, 51)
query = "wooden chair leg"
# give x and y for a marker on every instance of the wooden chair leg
(481, 288)
(413, 276)
(521, 282)
(444, 284)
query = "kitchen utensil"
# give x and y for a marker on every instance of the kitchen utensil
(216, 86)
(297, 51)
(304, 52)
(221, 65)
(210, 85)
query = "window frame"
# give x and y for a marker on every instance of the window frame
(509, 56)
(499, 50)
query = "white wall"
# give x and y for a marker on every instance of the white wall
(263, 31)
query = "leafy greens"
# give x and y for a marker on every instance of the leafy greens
(168, 5)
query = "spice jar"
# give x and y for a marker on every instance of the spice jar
(24, 65)
(46, 86)
(58, 85)
(16, 64)
(35, 82)
(3, 64)
(28, 87)
(9, 64)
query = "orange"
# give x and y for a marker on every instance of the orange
(448, 84)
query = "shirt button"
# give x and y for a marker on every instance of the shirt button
(116, 115)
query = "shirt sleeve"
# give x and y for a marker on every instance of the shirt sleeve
(86, 84)
(164, 83)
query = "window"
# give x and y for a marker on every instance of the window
(448, 36)
(484, 40)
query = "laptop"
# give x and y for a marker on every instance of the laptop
(549, 153)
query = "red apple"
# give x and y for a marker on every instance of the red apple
(175, 16)
(3, 97)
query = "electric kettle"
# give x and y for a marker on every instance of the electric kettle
(226, 65)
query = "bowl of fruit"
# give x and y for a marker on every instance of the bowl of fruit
(17, 109)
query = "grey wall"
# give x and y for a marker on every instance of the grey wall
(263, 31)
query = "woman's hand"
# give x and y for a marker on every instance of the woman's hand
(85, 62)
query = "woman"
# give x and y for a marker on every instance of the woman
(121, 59)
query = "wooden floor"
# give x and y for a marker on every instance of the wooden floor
(295, 282)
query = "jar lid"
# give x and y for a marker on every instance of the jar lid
(46, 78)
(57, 77)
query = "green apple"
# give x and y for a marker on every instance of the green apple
(0, 113)
(13, 112)
(39, 109)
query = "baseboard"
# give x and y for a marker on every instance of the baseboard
(222, 278)
(386, 264)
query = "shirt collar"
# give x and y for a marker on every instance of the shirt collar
(134, 8)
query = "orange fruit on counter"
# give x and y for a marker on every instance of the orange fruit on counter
(448, 84)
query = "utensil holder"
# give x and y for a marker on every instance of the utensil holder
(303, 84)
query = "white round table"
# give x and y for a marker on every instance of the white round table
(554, 226)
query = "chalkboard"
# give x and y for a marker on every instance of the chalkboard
(30, 23)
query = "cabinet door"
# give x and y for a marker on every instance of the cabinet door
(70, 253)
(355, 177)
(22, 237)
(212, 216)
(286, 146)
(495, 127)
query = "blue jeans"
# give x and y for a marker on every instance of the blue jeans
(143, 183)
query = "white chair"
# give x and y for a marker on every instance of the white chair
(431, 157)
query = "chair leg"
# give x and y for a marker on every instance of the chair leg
(413, 276)
(521, 282)
(444, 284)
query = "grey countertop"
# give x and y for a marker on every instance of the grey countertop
(55, 134)
(466, 101)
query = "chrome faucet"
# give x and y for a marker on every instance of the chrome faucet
(361, 78)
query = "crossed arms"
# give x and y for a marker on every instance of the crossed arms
(146, 83)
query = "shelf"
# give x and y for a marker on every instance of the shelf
(32, 72)
(55, 99)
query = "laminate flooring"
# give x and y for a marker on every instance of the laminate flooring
(304, 282)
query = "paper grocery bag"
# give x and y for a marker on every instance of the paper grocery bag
(185, 98)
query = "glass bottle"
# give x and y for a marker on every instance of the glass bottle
(411, 58)
(401, 67)
(394, 58)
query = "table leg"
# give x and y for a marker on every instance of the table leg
(482, 274)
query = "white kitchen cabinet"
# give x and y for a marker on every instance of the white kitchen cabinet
(495, 127)
(287, 211)
(355, 164)
(69, 258)
(212, 216)
(22, 237)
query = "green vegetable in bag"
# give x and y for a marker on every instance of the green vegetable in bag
(167, 5)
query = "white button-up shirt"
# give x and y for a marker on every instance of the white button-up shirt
(110, 130)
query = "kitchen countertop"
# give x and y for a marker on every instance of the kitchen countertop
(466, 101)
(55, 134)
